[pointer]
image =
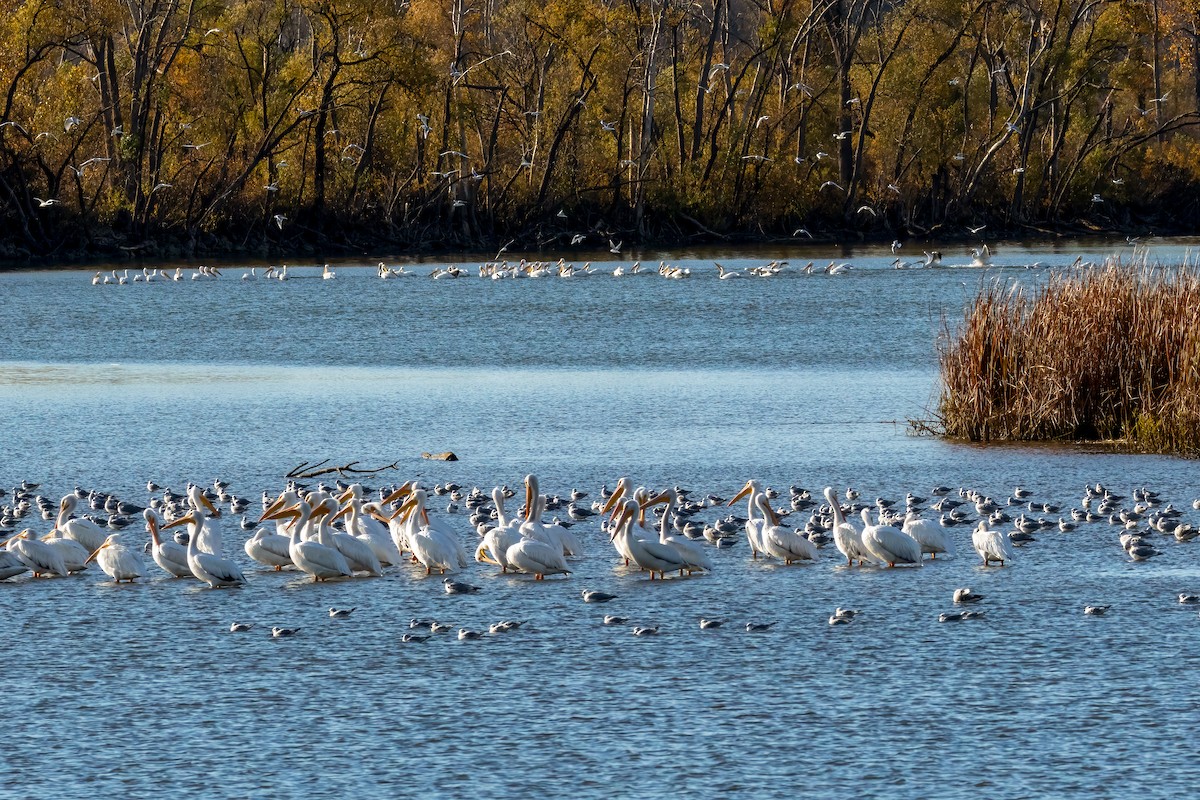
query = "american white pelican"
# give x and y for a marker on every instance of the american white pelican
(693, 553)
(889, 544)
(433, 547)
(87, 533)
(319, 560)
(932, 537)
(537, 558)
(991, 545)
(74, 557)
(493, 548)
(207, 567)
(328, 273)
(39, 557)
(10, 565)
(649, 555)
(779, 542)
(117, 561)
(367, 528)
(170, 555)
(269, 549)
(358, 554)
(754, 525)
(846, 537)
(205, 529)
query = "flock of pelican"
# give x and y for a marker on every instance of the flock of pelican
(337, 533)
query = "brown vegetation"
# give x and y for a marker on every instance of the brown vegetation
(1105, 354)
(264, 124)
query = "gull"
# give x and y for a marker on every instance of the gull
(562, 214)
(761, 120)
(504, 248)
(612, 619)
(1133, 240)
(465, 635)
(1117, 181)
(863, 208)
(821, 154)
(896, 245)
(1162, 99)
(341, 613)
(645, 631)
(44, 203)
(615, 247)
(800, 231)
(841, 135)
(211, 31)
(717, 68)
(591, 596)
(894, 188)
(71, 122)
(611, 127)
(458, 587)
(272, 187)
(1095, 611)
(1096, 198)
(976, 230)
(279, 220)
(458, 153)
(577, 238)
(410, 638)
(803, 88)
(118, 131)
(240, 627)
(196, 146)
(16, 125)
(279, 633)
(960, 156)
(755, 157)
(160, 185)
(759, 627)
(853, 101)
(834, 184)
(710, 624)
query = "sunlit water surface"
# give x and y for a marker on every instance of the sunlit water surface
(141, 691)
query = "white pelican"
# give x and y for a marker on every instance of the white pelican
(889, 544)
(537, 558)
(779, 542)
(74, 557)
(39, 557)
(207, 567)
(314, 558)
(624, 486)
(754, 526)
(493, 548)
(651, 556)
(433, 547)
(205, 529)
(990, 544)
(328, 273)
(692, 553)
(87, 533)
(269, 549)
(118, 561)
(170, 555)
(358, 554)
(846, 537)
(10, 565)
(932, 537)
(367, 529)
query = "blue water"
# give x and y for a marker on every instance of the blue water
(799, 379)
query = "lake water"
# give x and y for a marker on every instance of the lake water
(140, 690)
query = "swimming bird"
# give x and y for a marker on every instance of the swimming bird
(1095, 611)
(117, 561)
(505, 626)
(759, 627)
(458, 587)
(240, 627)
(639, 631)
(413, 638)
(612, 619)
(959, 616)
(465, 634)
(1189, 599)
(341, 613)
(965, 595)
(710, 624)
(592, 596)
(281, 633)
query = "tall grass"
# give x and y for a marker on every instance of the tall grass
(1108, 353)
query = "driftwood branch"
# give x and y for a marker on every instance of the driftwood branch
(310, 470)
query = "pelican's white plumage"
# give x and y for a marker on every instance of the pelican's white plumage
(269, 549)
(169, 555)
(537, 558)
(889, 544)
(932, 538)
(992, 545)
(651, 556)
(89, 535)
(117, 561)
(39, 557)
(10, 565)
(779, 542)
(692, 553)
(208, 568)
(754, 525)
(74, 557)
(846, 537)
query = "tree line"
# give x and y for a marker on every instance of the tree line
(198, 125)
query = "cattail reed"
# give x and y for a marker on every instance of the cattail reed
(1102, 354)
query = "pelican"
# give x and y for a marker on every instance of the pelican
(889, 544)
(433, 547)
(754, 526)
(651, 556)
(170, 555)
(553, 535)
(87, 533)
(538, 558)
(37, 556)
(118, 561)
(10, 565)
(74, 557)
(269, 549)
(990, 544)
(368, 529)
(358, 554)
(846, 537)
(204, 530)
(207, 567)
(692, 553)
(314, 558)
(779, 542)
(493, 548)
(931, 536)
